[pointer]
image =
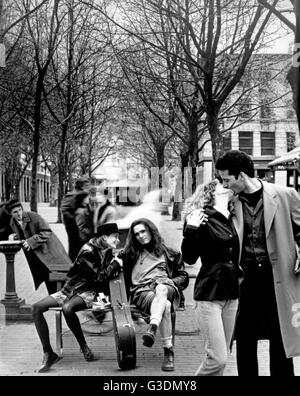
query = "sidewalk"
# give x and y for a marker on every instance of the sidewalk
(20, 350)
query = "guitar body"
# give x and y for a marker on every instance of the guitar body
(124, 330)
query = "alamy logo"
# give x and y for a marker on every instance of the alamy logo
(296, 316)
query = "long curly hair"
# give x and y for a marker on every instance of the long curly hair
(133, 248)
(204, 195)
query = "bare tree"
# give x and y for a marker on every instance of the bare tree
(205, 47)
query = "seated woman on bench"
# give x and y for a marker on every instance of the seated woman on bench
(154, 275)
(94, 266)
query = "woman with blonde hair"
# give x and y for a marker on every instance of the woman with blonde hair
(209, 233)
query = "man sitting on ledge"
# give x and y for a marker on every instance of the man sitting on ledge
(154, 274)
(94, 266)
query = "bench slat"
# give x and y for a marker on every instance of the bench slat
(60, 267)
(57, 276)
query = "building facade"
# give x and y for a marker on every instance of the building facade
(266, 130)
(43, 185)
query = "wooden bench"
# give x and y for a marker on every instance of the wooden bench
(124, 331)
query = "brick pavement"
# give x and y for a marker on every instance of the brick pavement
(21, 351)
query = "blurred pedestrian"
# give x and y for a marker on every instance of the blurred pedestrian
(84, 218)
(153, 272)
(41, 246)
(209, 233)
(68, 207)
(268, 221)
(94, 266)
(105, 212)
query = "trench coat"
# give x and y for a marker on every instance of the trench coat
(45, 247)
(282, 228)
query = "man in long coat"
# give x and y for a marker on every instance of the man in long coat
(41, 246)
(267, 218)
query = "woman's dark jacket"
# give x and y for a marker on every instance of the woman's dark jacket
(175, 268)
(91, 271)
(217, 244)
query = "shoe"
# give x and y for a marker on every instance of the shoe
(181, 306)
(48, 360)
(87, 353)
(149, 336)
(168, 363)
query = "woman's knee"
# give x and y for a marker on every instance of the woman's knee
(161, 290)
(38, 309)
(72, 306)
(68, 309)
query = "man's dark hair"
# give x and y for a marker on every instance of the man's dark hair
(133, 247)
(235, 162)
(13, 203)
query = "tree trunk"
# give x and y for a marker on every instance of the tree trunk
(216, 138)
(36, 139)
(160, 155)
(61, 171)
(179, 189)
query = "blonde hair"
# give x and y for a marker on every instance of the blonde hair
(204, 195)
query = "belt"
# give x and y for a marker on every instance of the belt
(256, 262)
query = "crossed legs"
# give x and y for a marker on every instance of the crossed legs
(70, 307)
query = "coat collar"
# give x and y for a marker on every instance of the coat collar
(270, 206)
(25, 219)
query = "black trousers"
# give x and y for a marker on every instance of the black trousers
(258, 319)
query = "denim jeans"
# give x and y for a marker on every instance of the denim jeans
(216, 320)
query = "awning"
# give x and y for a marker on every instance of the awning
(290, 157)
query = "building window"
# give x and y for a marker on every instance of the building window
(265, 112)
(226, 141)
(246, 142)
(245, 110)
(265, 97)
(290, 111)
(290, 141)
(267, 141)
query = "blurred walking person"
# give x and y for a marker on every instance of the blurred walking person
(84, 218)
(69, 205)
(105, 211)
